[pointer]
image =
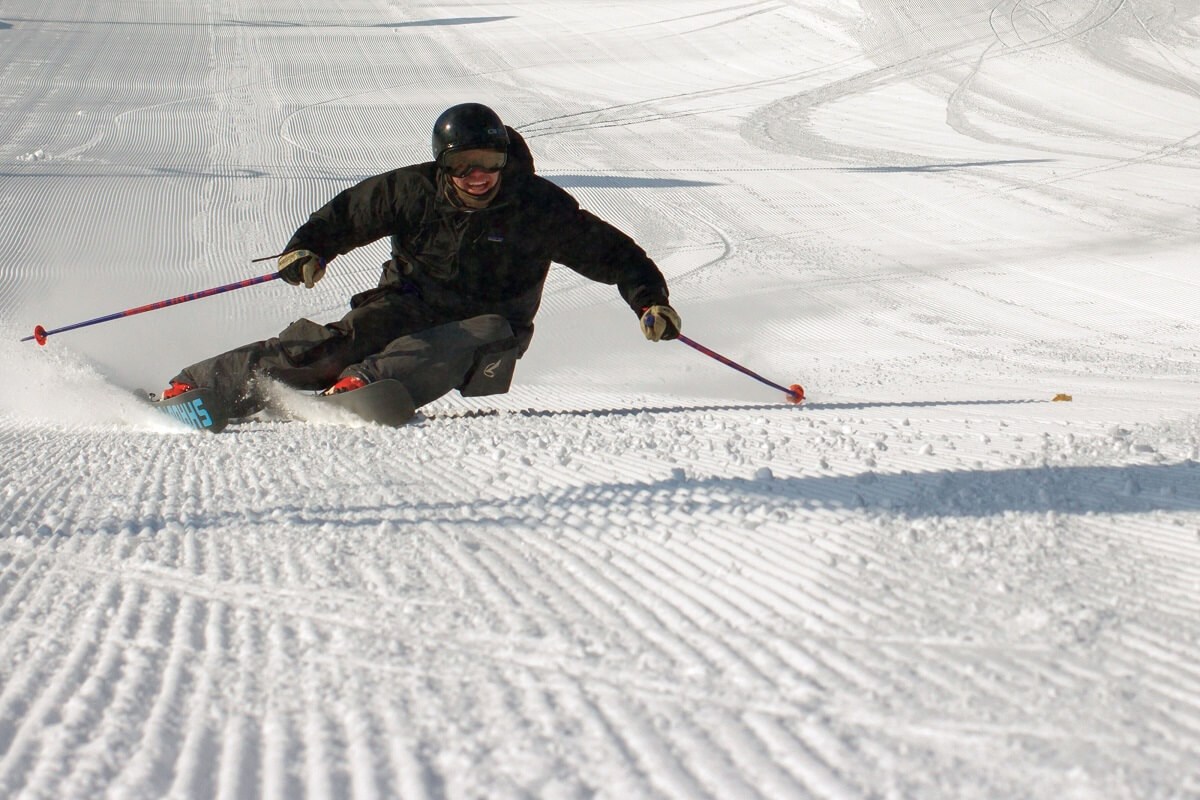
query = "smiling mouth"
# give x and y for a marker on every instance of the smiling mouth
(476, 185)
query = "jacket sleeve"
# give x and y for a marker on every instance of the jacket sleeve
(598, 250)
(375, 208)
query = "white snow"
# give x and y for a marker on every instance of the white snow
(639, 574)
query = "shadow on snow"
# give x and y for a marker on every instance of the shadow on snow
(682, 409)
(948, 167)
(620, 182)
(972, 494)
(420, 23)
(1135, 489)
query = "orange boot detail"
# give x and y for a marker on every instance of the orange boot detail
(346, 384)
(175, 389)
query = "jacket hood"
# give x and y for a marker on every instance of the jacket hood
(520, 158)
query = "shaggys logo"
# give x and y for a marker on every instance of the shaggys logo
(192, 413)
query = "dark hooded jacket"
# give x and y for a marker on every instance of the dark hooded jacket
(494, 260)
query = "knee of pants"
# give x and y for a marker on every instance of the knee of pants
(489, 327)
(305, 341)
(495, 358)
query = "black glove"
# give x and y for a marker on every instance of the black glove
(660, 322)
(301, 266)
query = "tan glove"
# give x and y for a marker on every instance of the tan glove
(660, 322)
(301, 266)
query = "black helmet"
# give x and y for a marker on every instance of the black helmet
(468, 126)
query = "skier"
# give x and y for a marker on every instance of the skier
(472, 236)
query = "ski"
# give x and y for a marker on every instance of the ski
(193, 408)
(384, 402)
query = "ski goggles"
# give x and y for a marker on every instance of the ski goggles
(461, 163)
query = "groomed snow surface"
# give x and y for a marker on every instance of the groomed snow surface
(640, 574)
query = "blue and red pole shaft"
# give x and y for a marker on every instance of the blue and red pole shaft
(40, 333)
(795, 392)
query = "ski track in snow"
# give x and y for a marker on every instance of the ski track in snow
(637, 574)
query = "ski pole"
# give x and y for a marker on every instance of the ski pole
(795, 392)
(40, 333)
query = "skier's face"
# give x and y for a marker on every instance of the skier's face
(481, 174)
(478, 183)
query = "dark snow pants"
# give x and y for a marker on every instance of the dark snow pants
(386, 334)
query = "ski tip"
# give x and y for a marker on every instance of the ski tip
(795, 394)
(39, 335)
